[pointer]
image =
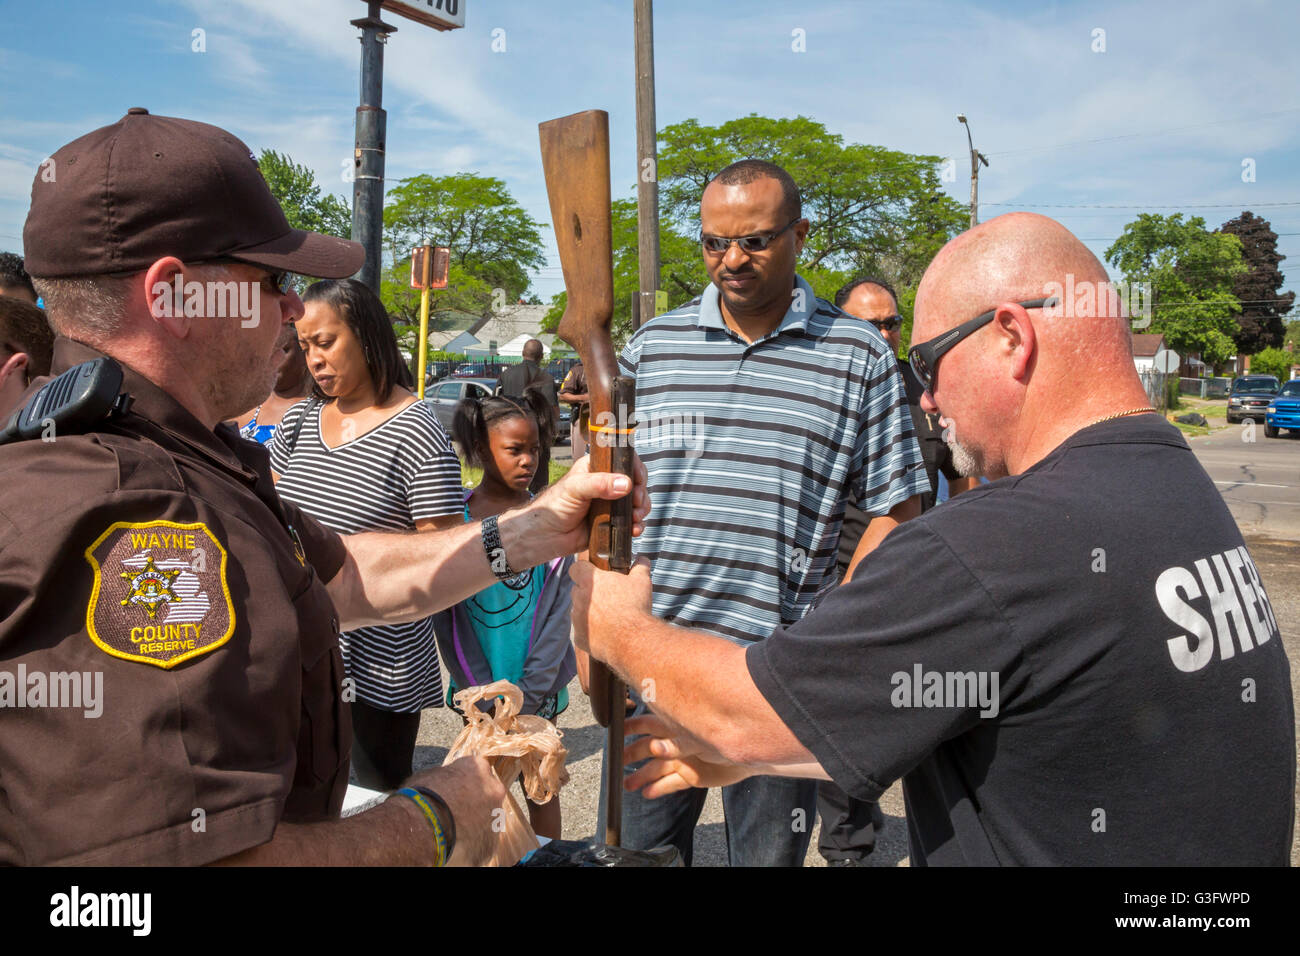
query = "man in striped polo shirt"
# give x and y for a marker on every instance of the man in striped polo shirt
(762, 410)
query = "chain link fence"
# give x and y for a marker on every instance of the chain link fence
(1158, 386)
(1204, 387)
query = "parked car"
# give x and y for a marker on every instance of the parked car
(447, 394)
(562, 434)
(559, 368)
(490, 370)
(1284, 410)
(443, 398)
(1250, 396)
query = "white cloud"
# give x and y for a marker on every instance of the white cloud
(16, 180)
(893, 73)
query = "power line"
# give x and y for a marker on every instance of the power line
(1149, 205)
(1162, 132)
(1211, 305)
(1278, 234)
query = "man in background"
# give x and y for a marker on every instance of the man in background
(849, 827)
(26, 347)
(574, 391)
(875, 301)
(14, 280)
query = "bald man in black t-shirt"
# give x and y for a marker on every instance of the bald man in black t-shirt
(1087, 671)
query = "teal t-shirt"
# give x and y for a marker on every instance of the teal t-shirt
(502, 615)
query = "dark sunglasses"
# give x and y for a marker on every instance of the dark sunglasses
(924, 358)
(756, 243)
(887, 324)
(277, 282)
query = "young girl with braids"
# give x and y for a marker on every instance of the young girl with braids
(517, 629)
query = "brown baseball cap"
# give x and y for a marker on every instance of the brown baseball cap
(126, 195)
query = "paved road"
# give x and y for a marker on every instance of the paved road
(1259, 478)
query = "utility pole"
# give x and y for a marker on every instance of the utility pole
(976, 157)
(647, 152)
(368, 156)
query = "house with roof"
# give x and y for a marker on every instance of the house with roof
(1145, 347)
(499, 336)
(503, 334)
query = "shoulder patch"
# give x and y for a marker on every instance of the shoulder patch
(160, 594)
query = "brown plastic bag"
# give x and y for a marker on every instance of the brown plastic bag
(513, 743)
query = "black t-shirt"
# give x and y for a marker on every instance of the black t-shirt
(1134, 720)
(516, 378)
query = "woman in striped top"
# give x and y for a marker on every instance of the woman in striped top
(292, 384)
(364, 454)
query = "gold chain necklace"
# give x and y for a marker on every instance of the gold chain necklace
(1131, 411)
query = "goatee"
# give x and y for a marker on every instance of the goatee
(963, 461)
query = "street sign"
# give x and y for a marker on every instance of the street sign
(429, 265)
(439, 14)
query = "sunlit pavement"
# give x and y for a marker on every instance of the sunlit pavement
(1258, 476)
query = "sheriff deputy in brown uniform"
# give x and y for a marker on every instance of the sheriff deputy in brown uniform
(170, 679)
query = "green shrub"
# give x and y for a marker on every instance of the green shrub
(1172, 399)
(1272, 362)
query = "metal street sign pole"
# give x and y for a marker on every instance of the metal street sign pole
(372, 121)
(647, 154)
(429, 266)
(368, 156)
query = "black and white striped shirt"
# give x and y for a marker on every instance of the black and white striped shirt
(385, 480)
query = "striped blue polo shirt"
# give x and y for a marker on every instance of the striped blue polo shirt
(753, 450)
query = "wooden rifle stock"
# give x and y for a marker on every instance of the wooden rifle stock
(575, 159)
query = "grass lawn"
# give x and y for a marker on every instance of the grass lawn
(470, 477)
(1215, 411)
(1191, 429)
(1211, 408)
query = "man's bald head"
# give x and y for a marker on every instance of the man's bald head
(1011, 258)
(1029, 372)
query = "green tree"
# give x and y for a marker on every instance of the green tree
(1191, 272)
(551, 320)
(681, 270)
(907, 309)
(493, 242)
(1263, 305)
(870, 209)
(1272, 362)
(305, 206)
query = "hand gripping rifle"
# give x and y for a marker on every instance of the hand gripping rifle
(575, 159)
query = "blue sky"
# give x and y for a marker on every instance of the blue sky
(1161, 121)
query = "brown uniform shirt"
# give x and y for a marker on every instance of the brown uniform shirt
(154, 556)
(575, 383)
